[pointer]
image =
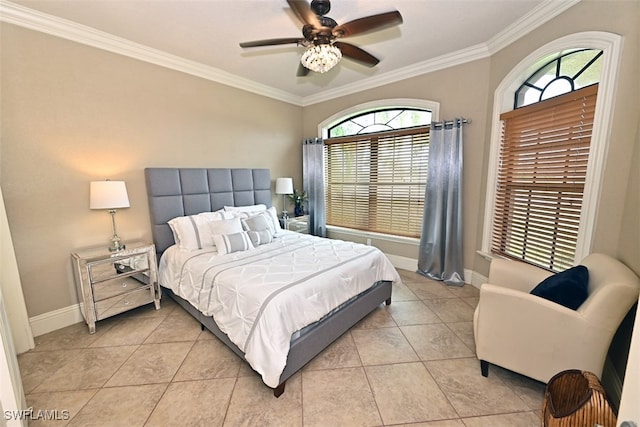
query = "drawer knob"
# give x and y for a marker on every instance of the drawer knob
(124, 284)
(126, 302)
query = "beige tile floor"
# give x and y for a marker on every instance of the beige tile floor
(411, 363)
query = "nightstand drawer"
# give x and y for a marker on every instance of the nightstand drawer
(299, 224)
(108, 269)
(117, 286)
(124, 302)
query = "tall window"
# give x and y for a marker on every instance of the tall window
(376, 171)
(543, 162)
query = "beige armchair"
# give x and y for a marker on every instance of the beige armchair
(539, 338)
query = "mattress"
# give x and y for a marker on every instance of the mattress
(261, 297)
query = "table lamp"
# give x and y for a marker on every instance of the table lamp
(284, 186)
(109, 195)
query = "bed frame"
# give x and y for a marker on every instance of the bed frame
(174, 192)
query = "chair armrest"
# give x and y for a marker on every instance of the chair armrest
(515, 274)
(521, 332)
(506, 303)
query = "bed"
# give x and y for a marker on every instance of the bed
(311, 290)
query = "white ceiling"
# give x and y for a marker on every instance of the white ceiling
(203, 36)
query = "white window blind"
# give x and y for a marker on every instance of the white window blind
(541, 178)
(376, 182)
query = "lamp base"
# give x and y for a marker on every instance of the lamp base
(116, 245)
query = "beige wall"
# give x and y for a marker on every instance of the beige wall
(72, 114)
(629, 248)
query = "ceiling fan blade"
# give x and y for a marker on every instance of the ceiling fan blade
(357, 54)
(369, 23)
(302, 71)
(304, 13)
(272, 42)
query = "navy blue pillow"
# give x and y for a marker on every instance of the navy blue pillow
(568, 287)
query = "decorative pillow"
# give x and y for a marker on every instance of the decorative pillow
(568, 288)
(225, 226)
(192, 232)
(260, 237)
(258, 222)
(229, 243)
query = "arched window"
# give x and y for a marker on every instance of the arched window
(376, 169)
(380, 121)
(560, 73)
(547, 154)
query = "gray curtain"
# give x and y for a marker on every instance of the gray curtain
(440, 256)
(313, 183)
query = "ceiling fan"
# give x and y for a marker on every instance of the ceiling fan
(321, 33)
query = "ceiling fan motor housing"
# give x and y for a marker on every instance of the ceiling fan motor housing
(321, 7)
(308, 32)
(325, 21)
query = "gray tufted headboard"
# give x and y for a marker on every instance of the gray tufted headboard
(174, 192)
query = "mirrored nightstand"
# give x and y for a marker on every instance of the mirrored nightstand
(299, 224)
(110, 283)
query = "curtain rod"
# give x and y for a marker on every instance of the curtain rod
(449, 122)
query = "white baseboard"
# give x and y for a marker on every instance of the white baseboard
(477, 279)
(411, 264)
(403, 263)
(54, 320)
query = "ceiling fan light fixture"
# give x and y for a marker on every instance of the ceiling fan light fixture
(321, 58)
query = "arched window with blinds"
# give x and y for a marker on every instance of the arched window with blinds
(376, 171)
(513, 224)
(544, 155)
(541, 180)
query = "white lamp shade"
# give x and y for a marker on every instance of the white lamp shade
(108, 195)
(284, 186)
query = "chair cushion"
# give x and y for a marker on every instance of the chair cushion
(568, 288)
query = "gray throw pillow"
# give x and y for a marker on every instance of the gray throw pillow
(258, 222)
(229, 243)
(260, 237)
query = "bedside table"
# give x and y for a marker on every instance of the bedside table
(109, 283)
(299, 224)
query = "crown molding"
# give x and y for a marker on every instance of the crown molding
(28, 18)
(12, 13)
(539, 15)
(458, 57)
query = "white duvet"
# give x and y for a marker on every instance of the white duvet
(260, 297)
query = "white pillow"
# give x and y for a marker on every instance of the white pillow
(192, 232)
(251, 209)
(235, 242)
(276, 221)
(225, 226)
(217, 215)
